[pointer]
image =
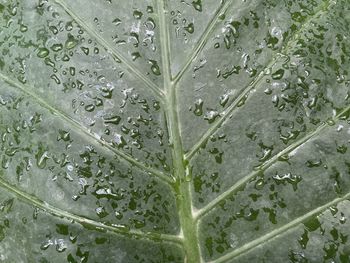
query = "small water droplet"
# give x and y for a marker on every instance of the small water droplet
(43, 52)
(71, 42)
(211, 116)
(150, 9)
(56, 47)
(198, 111)
(154, 67)
(90, 107)
(85, 50)
(197, 5)
(278, 74)
(41, 159)
(23, 28)
(137, 14)
(116, 22)
(224, 99)
(189, 28)
(112, 120)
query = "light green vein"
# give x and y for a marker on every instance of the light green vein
(84, 131)
(112, 50)
(204, 38)
(116, 229)
(211, 205)
(244, 95)
(183, 186)
(279, 231)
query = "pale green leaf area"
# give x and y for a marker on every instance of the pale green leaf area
(174, 131)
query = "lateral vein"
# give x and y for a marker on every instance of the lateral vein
(116, 229)
(281, 230)
(211, 205)
(157, 91)
(83, 131)
(246, 91)
(203, 39)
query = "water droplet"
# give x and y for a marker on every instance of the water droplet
(197, 5)
(198, 111)
(45, 245)
(69, 26)
(278, 74)
(149, 9)
(60, 245)
(71, 42)
(56, 47)
(23, 28)
(119, 140)
(118, 215)
(90, 107)
(41, 159)
(101, 212)
(154, 67)
(189, 28)
(43, 52)
(85, 50)
(137, 14)
(53, 29)
(259, 184)
(135, 55)
(211, 116)
(224, 99)
(113, 120)
(116, 21)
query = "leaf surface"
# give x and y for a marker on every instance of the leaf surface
(174, 131)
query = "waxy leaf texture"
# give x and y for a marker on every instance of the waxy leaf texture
(174, 131)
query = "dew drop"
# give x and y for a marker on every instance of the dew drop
(137, 14)
(198, 111)
(71, 42)
(154, 67)
(189, 28)
(43, 52)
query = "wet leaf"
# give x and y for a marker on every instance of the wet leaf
(174, 131)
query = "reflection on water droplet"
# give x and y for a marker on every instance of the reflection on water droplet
(60, 245)
(113, 120)
(211, 116)
(90, 107)
(43, 52)
(71, 42)
(154, 67)
(117, 21)
(198, 111)
(45, 245)
(137, 14)
(224, 99)
(197, 5)
(189, 28)
(41, 159)
(278, 74)
(56, 47)
(85, 50)
(23, 28)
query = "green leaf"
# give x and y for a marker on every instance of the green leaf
(174, 131)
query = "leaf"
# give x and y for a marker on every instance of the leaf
(174, 131)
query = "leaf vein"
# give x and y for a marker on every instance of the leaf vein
(245, 92)
(115, 229)
(211, 205)
(83, 131)
(158, 92)
(281, 230)
(203, 39)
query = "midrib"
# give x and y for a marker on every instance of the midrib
(182, 187)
